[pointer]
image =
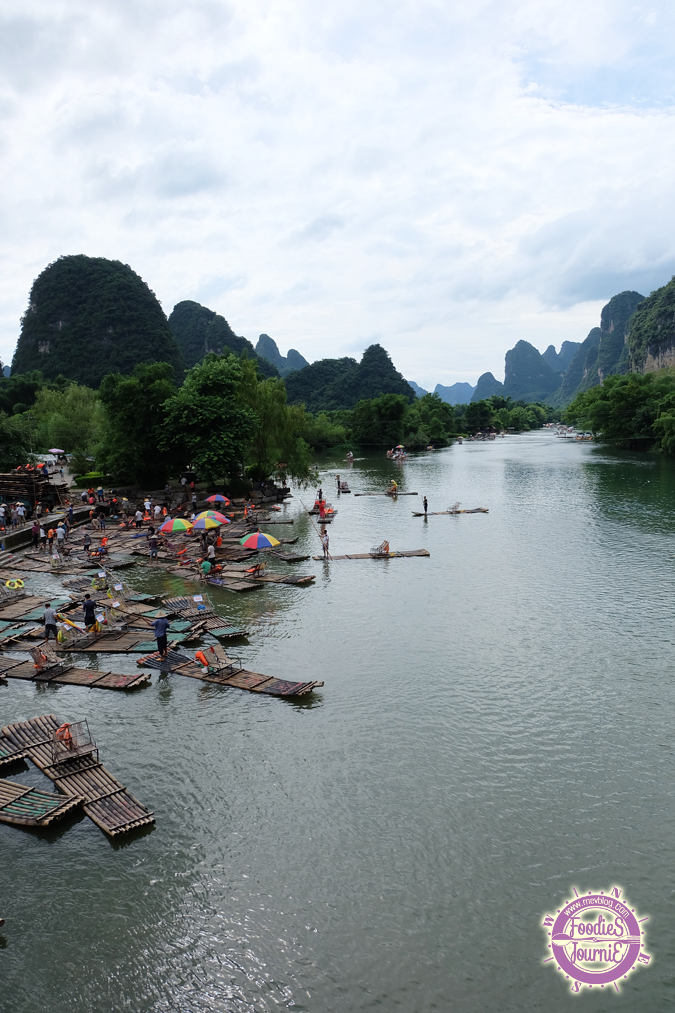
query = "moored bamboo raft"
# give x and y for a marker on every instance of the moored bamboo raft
(278, 520)
(369, 555)
(10, 753)
(224, 671)
(11, 668)
(30, 807)
(288, 557)
(106, 801)
(20, 606)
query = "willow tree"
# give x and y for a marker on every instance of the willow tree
(277, 440)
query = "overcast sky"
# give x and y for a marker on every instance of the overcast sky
(442, 177)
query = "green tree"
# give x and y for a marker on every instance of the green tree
(379, 421)
(72, 419)
(478, 416)
(626, 409)
(207, 423)
(322, 432)
(278, 434)
(428, 419)
(134, 428)
(17, 439)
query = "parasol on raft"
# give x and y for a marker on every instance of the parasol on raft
(259, 540)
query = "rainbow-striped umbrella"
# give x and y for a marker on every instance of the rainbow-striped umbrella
(214, 516)
(259, 540)
(217, 498)
(203, 523)
(177, 524)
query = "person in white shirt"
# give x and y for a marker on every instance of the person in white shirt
(157, 511)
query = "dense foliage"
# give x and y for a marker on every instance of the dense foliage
(72, 418)
(199, 330)
(19, 391)
(134, 423)
(333, 384)
(87, 317)
(206, 425)
(500, 413)
(17, 439)
(635, 411)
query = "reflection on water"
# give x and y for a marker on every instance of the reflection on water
(495, 727)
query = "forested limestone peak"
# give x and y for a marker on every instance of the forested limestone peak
(88, 316)
(486, 386)
(328, 384)
(198, 330)
(651, 335)
(267, 349)
(527, 376)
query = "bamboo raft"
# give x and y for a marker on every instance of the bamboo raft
(30, 807)
(62, 675)
(288, 557)
(10, 753)
(204, 618)
(439, 513)
(390, 555)
(20, 606)
(227, 672)
(386, 494)
(234, 584)
(106, 801)
(242, 573)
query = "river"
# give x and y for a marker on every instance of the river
(495, 729)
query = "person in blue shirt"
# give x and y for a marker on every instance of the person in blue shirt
(89, 608)
(159, 628)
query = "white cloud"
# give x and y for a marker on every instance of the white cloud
(443, 178)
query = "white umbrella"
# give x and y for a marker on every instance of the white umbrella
(55, 450)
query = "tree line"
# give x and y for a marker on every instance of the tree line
(635, 411)
(225, 420)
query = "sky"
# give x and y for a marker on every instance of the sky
(443, 178)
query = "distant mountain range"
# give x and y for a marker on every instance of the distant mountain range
(635, 335)
(88, 316)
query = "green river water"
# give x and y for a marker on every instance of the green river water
(495, 729)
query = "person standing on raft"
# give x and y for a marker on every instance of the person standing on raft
(159, 628)
(325, 541)
(425, 505)
(49, 617)
(89, 608)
